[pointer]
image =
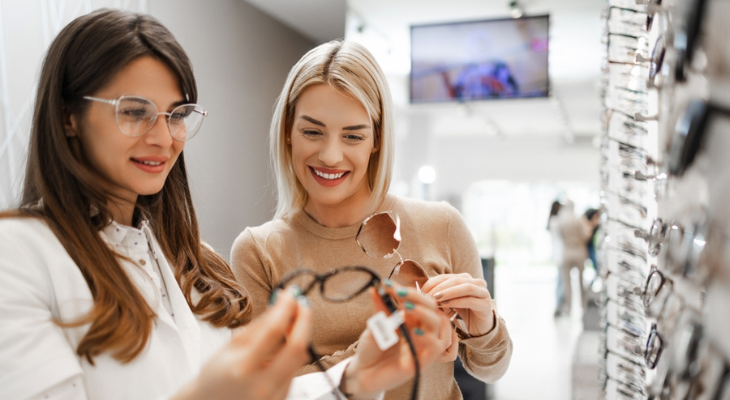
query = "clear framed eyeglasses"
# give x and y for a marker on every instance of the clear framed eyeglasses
(136, 115)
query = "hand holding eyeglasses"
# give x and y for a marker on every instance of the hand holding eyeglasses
(467, 296)
(379, 237)
(261, 360)
(373, 370)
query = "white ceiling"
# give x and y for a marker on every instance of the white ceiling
(384, 27)
(318, 20)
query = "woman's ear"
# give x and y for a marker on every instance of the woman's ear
(71, 125)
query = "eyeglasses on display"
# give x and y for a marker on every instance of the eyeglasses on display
(689, 134)
(685, 37)
(654, 347)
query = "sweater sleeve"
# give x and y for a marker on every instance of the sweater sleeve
(329, 361)
(250, 270)
(485, 357)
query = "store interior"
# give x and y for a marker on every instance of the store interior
(629, 118)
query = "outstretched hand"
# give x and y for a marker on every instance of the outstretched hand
(261, 360)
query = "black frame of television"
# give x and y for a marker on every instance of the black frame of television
(544, 94)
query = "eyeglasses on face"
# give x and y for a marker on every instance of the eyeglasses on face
(136, 115)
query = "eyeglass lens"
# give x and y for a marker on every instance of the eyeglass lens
(136, 115)
(654, 283)
(379, 237)
(409, 273)
(344, 284)
(337, 285)
(654, 347)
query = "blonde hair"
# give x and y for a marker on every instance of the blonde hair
(351, 69)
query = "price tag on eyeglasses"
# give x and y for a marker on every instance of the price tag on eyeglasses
(384, 328)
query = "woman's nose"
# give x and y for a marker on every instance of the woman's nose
(159, 134)
(331, 153)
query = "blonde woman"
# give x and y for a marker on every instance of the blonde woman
(332, 148)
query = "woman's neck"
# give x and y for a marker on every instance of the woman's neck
(346, 213)
(122, 211)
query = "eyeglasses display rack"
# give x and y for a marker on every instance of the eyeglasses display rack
(665, 179)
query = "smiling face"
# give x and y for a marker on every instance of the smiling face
(131, 166)
(331, 142)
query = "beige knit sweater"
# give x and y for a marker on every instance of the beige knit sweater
(433, 234)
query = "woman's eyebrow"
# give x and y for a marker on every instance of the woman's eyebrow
(356, 127)
(312, 120)
(322, 124)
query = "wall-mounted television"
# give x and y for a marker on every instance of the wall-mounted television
(479, 60)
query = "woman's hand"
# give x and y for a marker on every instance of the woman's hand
(448, 335)
(261, 360)
(373, 370)
(467, 296)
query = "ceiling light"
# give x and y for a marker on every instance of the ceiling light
(514, 9)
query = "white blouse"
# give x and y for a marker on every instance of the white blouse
(40, 283)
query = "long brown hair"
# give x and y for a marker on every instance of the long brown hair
(63, 190)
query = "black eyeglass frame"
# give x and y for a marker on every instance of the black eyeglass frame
(375, 281)
(651, 345)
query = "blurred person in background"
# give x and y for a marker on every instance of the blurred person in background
(574, 233)
(557, 252)
(593, 216)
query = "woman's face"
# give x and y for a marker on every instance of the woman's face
(131, 166)
(331, 142)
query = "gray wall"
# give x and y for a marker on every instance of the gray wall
(241, 58)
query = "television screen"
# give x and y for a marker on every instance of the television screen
(476, 60)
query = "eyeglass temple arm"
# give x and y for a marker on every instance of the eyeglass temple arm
(112, 102)
(388, 301)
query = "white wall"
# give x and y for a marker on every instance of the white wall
(463, 157)
(241, 58)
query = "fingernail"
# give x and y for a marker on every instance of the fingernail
(273, 297)
(438, 295)
(401, 292)
(303, 301)
(408, 305)
(388, 282)
(418, 331)
(295, 291)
